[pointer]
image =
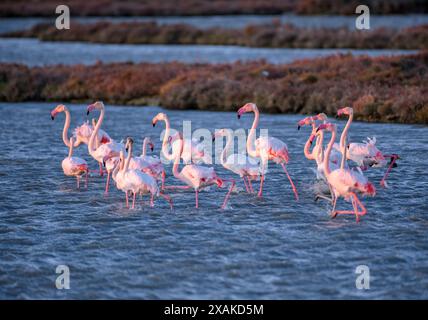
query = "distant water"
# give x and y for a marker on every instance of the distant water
(33, 52)
(240, 21)
(273, 248)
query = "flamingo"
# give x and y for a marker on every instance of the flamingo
(345, 182)
(150, 165)
(191, 152)
(317, 153)
(112, 148)
(247, 168)
(81, 133)
(197, 177)
(75, 166)
(266, 148)
(364, 154)
(135, 181)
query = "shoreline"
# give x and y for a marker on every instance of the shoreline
(271, 35)
(382, 89)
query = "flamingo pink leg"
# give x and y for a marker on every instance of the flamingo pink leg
(262, 179)
(355, 203)
(291, 182)
(245, 183)
(196, 198)
(78, 182)
(107, 182)
(250, 185)
(393, 157)
(228, 193)
(127, 201)
(163, 180)
(167, 198)
(101, 169)
(152, 200)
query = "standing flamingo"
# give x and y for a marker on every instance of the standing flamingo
(317, 153)
(345, 182)
(197, 177)
(266, 148)
(111, 148)
(364, 154)
(150, 165)
(135, 181)
(75, 166)
(81, 133)
(247, 168)
(191, 152)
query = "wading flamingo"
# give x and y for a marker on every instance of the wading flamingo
(75, 166)
(345, 182)
(197, 177)
(317, 153)
(135, 181)
(191, 152)
(266, 148)
(247, 168)
(364, 154)
(151, 165)
(110, 149)
(81, 133)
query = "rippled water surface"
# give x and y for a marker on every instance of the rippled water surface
(231, 21)
(271, 248)
(36, 53)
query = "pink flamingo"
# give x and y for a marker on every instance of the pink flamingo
(364, 154)
(197, 177)
(247, 168)
(81, 133)
(345, 182)
(191, 152)
(111, 148)
(135, 181)
(150, 165)
(75, 166)
(317, 153)
(266, 148)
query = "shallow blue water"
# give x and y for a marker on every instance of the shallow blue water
(36, 53)
(255, 249)
(240, 21)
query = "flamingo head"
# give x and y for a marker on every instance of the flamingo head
(99, 105)
(248, 107)
(159, 117)
(59, 108)
(327, 126)
(345, 110)
(129, 142)
(320, 117)
(218, 133)
(305, 122)
(150, 143)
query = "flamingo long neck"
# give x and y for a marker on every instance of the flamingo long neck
(309, 155)
(66, 126)
(70, 150)
(144, 147)
(345, 132)
(227, 147)
(320, 150)
(91, 144)
(327, 170)
(177, 158)
(167, 155)
(118, 167)
(128, 158)
(251, 149)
